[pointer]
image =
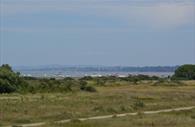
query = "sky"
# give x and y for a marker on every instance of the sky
(97, 32)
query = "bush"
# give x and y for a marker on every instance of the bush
(85, 87)
(100, 82)
(5, 87)
(90, 89)
(136, 78)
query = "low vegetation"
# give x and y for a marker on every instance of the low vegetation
(167, 82)
(174, 119)
(13, 82)
(16, 108)
(30, 99)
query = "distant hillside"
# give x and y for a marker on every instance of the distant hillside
(99, 68)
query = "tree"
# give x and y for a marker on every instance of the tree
(9, 80)
(185, 72)
(7, 67)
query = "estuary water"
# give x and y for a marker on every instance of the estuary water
(63, 73)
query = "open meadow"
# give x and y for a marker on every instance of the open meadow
(17, 109)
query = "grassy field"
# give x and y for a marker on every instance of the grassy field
(49, 107)
(174, 119)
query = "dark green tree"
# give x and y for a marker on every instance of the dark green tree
(186, 72)
(9, 80)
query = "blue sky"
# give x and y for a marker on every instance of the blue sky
(98, 32)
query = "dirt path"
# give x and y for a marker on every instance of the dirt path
(9, 98)
(107, 116)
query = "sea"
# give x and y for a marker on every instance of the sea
(64, 73)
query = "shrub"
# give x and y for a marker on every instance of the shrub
(90, 89)
(83, 85)
(5, 87)
(100, 82)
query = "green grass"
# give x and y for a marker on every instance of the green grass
(28, 108)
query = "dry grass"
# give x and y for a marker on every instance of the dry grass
(173, 119)
(17, 108)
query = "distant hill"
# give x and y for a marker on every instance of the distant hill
(98, 68)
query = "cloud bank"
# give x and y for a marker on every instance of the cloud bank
(150, 13)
